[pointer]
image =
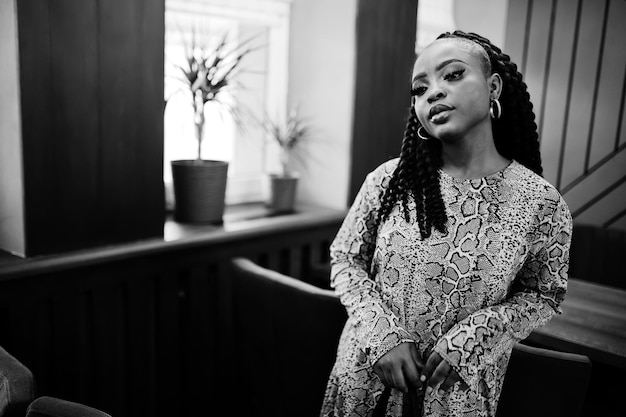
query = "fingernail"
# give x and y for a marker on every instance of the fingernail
(423, 378)
(441, 392)
(429, 390)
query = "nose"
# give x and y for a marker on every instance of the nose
(436, 93)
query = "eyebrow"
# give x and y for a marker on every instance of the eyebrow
(438, 67)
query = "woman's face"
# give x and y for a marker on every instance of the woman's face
(451, 91)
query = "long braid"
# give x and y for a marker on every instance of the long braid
(417, 176)
(417, 173)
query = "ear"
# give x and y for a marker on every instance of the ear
(495, 85)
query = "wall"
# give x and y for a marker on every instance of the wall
(572, 55)
(11, 209)
(321, 80)
(485, 17)
(91, 119)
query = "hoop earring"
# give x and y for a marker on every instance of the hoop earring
(422, 137)
(495, 109)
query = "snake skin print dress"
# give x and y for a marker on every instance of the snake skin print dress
(469, 294)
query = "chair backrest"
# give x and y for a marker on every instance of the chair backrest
(541, 382)
(17, 386)
(597, 255)
(55, 407)
(286, 334)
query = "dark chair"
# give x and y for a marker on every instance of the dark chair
(286, 336)
(18, 395)
(597, 254)
(541, 382)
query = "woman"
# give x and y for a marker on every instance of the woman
(452, 252)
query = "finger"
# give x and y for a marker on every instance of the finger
(387, 378)
(441, 373)
(411, 374)
(398, 379)
(450, 380)
(431, 364)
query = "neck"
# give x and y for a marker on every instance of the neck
(472, 157)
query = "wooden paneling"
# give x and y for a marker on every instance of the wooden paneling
(385, 57)
(575, 66)
(146, 328)
(91, 75)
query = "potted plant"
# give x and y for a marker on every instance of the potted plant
(289, 137)
(200, 184)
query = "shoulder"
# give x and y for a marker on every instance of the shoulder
(541, 196)
(533, 185)
(382, 174)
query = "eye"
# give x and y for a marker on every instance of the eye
(453, 75)
(418, 91)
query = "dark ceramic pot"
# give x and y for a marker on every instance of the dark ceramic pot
(199, 190)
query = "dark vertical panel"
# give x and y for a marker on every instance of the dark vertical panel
(91, 84)
(167, 344)
(583, 90)
(537, 58)
(295, 262)
(72, 168)
(273, 261)
(596, 92)
(131, 98)
(518, 12)
(110, 303)
(141, 345)
(385, 54)
(620, 136)
(558, 88)
(198, 341)
(70, 367)
(608, 110)
(36, 103)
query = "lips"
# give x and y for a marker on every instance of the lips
(436, 109)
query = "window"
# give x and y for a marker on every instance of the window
(263, 89)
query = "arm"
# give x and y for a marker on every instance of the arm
(378, 328)
(483, 337)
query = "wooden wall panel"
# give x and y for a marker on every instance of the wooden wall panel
(91, 82)
(576, 79)
(584, 92)
(537, 60)
(147, 332)
(517, 21)
(385, 54)
(558, 87)
(610, 96)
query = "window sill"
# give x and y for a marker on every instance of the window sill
(242, 221)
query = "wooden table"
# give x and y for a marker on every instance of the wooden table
(593, 323)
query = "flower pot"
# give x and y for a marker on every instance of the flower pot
(199, 190)
(282, 193)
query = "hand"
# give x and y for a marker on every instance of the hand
(400, 367)
(438, 370)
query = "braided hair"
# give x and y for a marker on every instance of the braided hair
(417, 173)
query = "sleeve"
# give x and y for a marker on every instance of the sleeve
(477, 342)
(351, 252)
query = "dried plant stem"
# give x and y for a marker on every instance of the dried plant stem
(198, 119)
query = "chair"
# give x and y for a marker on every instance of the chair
(286, 336)
(541, 382)
(596, 255)
(18, 395)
